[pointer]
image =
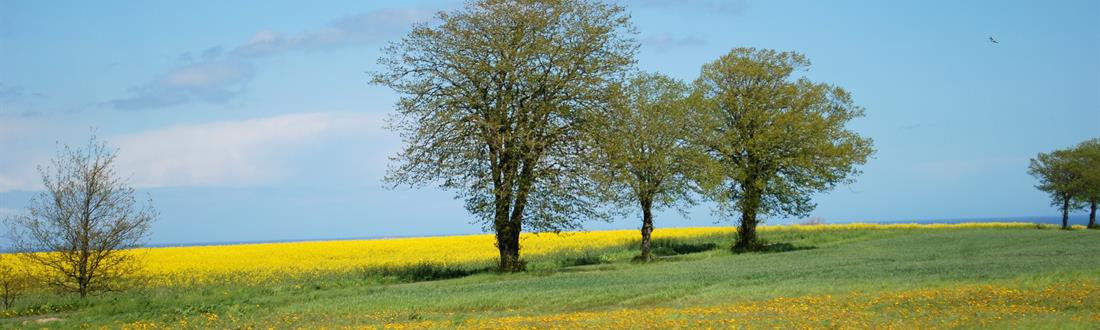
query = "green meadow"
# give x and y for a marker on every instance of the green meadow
(991, 277)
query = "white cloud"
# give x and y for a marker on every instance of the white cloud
(231, 153)
(218, 78)
(362, 29)
(211, 81)
(15, 183)
(21, 142)
(325, 148)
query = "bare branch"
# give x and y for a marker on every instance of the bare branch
(78, 228)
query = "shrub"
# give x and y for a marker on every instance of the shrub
(14, 281)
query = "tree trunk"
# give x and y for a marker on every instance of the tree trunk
(508, 244)
(83, 276)
(1092, 214)
(746, 234)
(508, 215)
(1065, 212)
(507, 233)
(647, 229)
(9, 298)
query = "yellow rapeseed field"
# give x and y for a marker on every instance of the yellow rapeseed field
(258, 263)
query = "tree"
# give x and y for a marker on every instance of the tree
(1087, 167)
(14, 280)
(641, 143)
(493, 100)
(774, 141)
(1057, 177)
(84, 219)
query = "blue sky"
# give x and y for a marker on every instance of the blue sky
(254, 120)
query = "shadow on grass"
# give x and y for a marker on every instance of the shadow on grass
(665, 247)
(582, 260)
(421, 272)
(765, 247)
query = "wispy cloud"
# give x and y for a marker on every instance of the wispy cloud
(18, 136)
(734, 7)
(949, 169)
(13, 93)
(299, 148)
(362, 29)
(666, 41)
(217, 76)
(208, 55)
(213, 82)
(10, 93)
(9, 183)
(4, 212)
(230, 153)
(16, 99)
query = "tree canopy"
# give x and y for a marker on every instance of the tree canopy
(642, 147)
(1071, 177)
(1057, 177)
(774, 139)
(1087, 165)
(493, 99)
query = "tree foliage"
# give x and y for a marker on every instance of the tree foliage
(1087, 165)
(84, 218)
(1058, 178)
(1072, 178)
(643, 150)
(774, 140)
(493, 99)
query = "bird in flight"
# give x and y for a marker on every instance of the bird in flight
(993, 40)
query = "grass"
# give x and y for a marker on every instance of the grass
(860, 278)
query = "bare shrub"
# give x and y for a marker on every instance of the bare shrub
(79, 226)
(15, 280)
(812, 221)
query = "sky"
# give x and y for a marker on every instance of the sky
(255, 120)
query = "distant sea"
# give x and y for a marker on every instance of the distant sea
(1074, 219)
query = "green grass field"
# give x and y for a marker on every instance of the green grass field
(1030, 278)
